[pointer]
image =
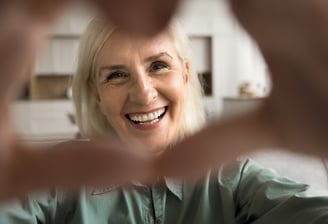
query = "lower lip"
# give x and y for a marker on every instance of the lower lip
(148, 126)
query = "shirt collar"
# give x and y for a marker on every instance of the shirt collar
(175, 186)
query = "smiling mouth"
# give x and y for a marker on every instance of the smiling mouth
(148, 118)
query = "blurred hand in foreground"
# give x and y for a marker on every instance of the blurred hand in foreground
(24, 26)
(293, 37)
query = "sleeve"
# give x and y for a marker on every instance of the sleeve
(31, 210)
(263, 197)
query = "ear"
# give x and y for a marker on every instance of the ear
(186, 71)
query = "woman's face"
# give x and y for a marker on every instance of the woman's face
(140, 87)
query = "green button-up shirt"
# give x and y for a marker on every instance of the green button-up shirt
(242, 192)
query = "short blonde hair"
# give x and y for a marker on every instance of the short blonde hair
(90, 119)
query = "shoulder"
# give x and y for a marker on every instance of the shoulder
(246, 174)
(41, 206)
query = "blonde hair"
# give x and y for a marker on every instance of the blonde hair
(90, 120)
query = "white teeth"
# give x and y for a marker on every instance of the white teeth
(150, 117)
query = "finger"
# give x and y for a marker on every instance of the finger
(218, 143)
(70, 165)
(299, 107)
(45, 11)
(145, 17)
(20, 40)
(293, 38)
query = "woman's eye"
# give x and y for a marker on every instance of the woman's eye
(116, 77)
(156, 66)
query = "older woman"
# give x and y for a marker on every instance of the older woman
(137, 89)
(144, 92)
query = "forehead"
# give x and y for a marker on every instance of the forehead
(122, 46)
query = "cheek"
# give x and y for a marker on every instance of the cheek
(110, 103)
(176, 88)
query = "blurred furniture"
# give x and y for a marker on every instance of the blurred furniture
(44, 120)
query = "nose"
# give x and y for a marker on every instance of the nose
(143, 91)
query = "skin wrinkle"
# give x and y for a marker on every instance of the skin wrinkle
(142, 89)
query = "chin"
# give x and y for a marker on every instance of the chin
(157, 150)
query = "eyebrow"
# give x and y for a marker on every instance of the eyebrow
(111, 67)
(157, 56)
(120, 67)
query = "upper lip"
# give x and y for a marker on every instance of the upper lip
(144, 112)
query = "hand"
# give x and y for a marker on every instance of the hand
(293, 37)
(19, 40)
(293, 116)
(70, 165)
(23, 27)
(145, 17)
(142, 17)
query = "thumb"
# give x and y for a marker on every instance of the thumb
(145, 17)
(221, 141)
